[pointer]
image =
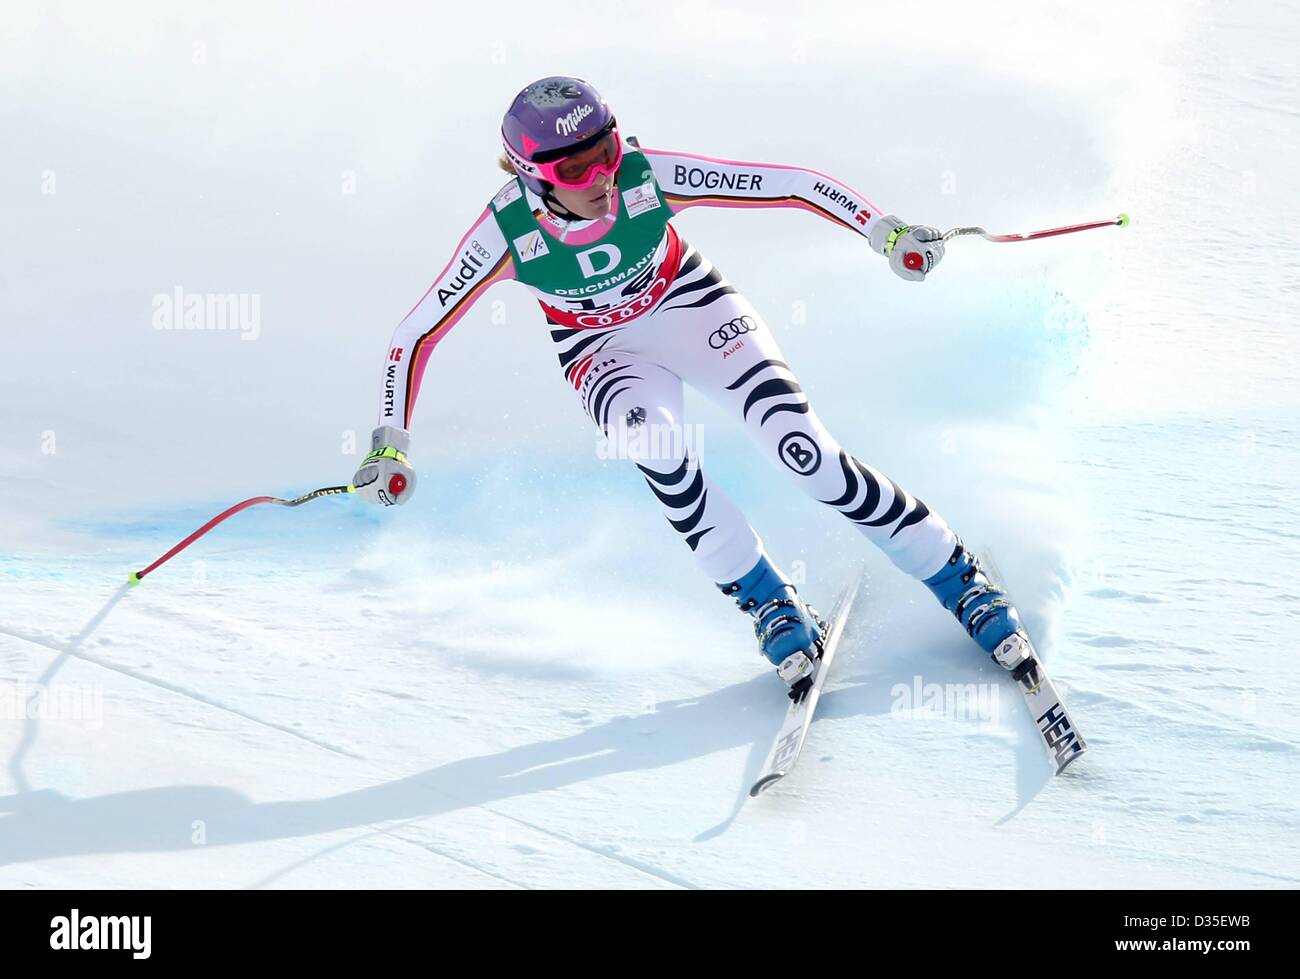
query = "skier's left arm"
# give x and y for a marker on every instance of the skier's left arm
(690, 180)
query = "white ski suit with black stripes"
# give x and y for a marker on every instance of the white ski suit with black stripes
(627, 346)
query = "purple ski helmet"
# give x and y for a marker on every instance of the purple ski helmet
(550, 119)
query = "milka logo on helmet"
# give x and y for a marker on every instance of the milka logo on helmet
(567, 124)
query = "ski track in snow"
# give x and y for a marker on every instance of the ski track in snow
(71, 649)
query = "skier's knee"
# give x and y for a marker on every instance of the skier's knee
(648, 434)
(804, 446)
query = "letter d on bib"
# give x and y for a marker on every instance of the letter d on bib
(588, 266)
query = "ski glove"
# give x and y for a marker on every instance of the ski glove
(385, 476)
(912, 250)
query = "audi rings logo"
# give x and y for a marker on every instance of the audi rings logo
(731, 329)
(628, 310)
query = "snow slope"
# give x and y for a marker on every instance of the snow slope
(490, 688)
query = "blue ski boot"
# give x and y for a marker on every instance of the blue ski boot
(982, 608)
(789, 632)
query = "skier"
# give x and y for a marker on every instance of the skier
(634, 311)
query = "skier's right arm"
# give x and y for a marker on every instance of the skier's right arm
(481, 258)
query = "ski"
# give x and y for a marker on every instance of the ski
(789, 741)
(1056, 727)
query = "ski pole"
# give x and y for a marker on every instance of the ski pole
(136, 576)
(913, 260)
(1121, 222)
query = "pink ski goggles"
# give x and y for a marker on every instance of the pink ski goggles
(584, 168)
